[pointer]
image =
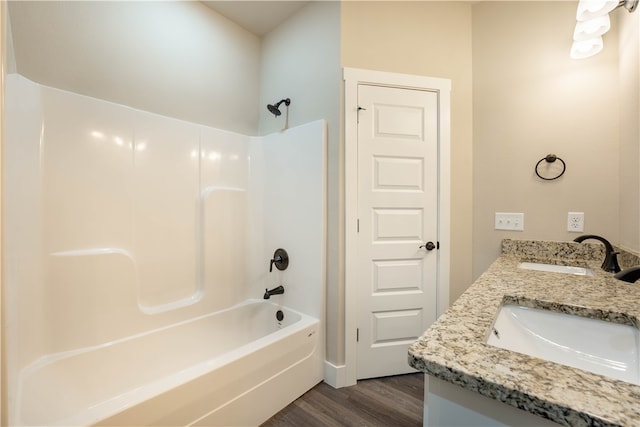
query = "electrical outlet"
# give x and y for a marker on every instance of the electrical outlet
(575, 222)
(509, 221)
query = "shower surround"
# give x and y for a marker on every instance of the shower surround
(119, 223)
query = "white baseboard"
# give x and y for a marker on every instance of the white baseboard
(335, 375)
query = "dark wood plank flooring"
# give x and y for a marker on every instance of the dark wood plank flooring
(379, 402)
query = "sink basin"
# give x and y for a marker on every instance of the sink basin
(606, 348)
(553, 268)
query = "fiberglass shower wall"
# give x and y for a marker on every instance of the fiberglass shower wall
(117, 221)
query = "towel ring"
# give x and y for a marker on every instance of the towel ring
(550, 158)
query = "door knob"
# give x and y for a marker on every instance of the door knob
(428, 246)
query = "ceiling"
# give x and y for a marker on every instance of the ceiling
(261, 16)
(258, 17)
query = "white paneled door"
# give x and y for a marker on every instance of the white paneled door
(397, 224)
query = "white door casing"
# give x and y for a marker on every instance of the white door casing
(397, 216)
(346, 374)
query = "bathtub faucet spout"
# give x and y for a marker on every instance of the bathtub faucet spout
(275, 291)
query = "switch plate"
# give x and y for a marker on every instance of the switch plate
(575, 222)
(509, 221)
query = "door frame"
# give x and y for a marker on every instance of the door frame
(352, 78)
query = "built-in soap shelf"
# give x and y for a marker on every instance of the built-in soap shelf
(92, 252)
(120, 283)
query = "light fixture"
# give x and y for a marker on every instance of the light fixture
(589, 9)
(593, 22)
(586, 48)
(592, 28)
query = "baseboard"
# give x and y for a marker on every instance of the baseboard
(335, 375)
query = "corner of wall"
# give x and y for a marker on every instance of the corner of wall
(10, 66)
(4, 45)
(629, 88)
(300, 60)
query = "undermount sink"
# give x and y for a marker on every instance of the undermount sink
(598, 346)
(553, 268)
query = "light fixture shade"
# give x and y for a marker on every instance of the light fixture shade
(586, 48)
(592, 28)
(589, 9)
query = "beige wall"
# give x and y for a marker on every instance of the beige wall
(629, 52)
(4, 51)
(429, 39)
(10, 59)
(178, 59)
(531, 99)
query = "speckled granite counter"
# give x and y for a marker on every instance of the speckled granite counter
(453, 349)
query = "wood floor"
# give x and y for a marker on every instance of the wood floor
(379, 402)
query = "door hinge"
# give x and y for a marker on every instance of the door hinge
(357, 334)
(360, 109)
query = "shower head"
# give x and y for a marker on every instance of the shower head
(274, 108)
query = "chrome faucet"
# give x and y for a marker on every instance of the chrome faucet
(275, 291)
(610, 262)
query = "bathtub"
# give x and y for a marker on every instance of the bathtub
(236, 367)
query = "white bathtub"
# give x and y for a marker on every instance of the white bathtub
(236, 367)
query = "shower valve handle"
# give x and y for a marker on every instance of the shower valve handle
(275, 260)
(280, 259)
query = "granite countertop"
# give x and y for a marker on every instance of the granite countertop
(453, 349)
